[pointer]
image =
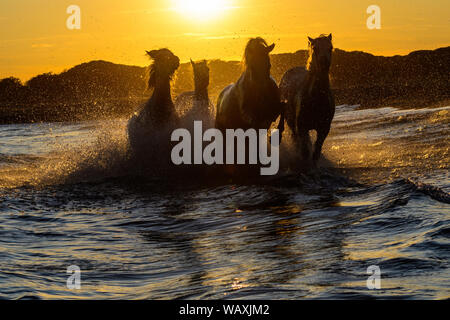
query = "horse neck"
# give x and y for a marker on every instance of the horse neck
(161, 94)
(317, 77)
(201, 93)
(256, 78)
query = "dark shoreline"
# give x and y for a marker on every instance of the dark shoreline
(104, 90)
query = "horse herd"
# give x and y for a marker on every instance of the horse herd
(303, 99)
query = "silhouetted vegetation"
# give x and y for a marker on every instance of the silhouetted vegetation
(100, 89)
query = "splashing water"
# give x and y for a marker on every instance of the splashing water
(71, 194)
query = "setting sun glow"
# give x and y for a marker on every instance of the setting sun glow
(200, 8)
(34, 37)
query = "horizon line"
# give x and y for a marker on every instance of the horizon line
(219, 59)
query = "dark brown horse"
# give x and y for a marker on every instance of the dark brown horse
(254, 100)
(195, 105)
(158, 116)
(307, 93)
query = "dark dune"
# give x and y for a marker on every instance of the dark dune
(99, 89)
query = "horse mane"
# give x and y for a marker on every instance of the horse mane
(203, 62)
(201, 75)
(151, 76)
(201, 68)
(152, 72)
(251, 45)
(310, 52)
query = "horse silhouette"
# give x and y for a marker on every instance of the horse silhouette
(195, 105)
(254, 100)
(157, 118)
(309, 100)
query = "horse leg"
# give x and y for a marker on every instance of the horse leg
(281, 126)
(304, 141)
(322, 134)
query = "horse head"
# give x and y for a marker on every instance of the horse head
(320, 51)
(201, 74)
(165, 63)
(257, 58)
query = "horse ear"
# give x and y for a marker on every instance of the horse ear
(271, 47)
(311, 40)
(192, 63)
(330, 37)
(152, 53)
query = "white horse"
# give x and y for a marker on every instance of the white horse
(150, 128)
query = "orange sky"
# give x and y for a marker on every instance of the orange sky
(34, 37)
